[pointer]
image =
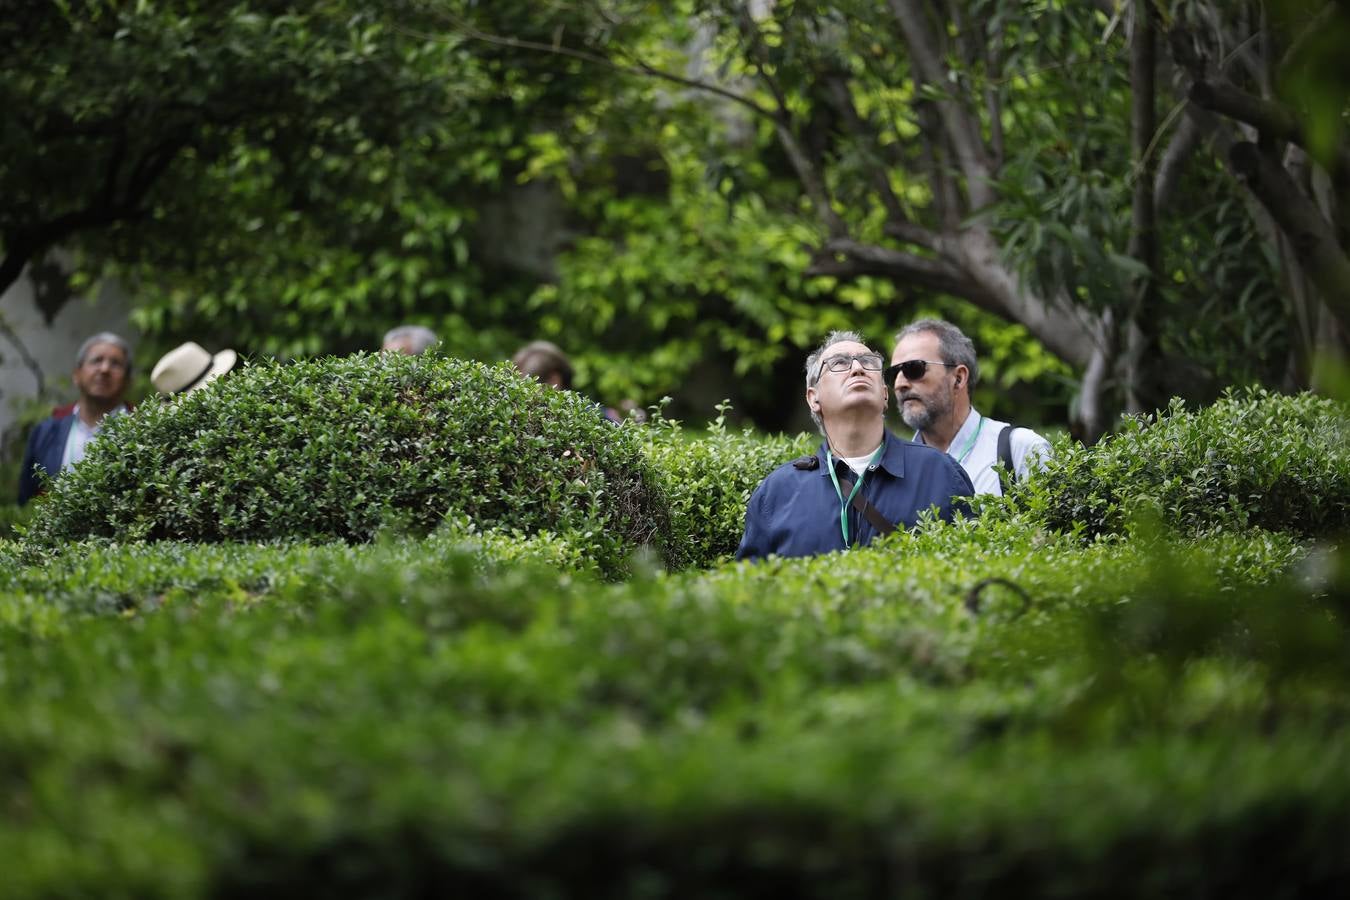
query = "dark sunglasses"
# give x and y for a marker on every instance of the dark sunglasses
(912, 369)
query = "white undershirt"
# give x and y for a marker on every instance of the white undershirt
(80, 436)
(859, 463)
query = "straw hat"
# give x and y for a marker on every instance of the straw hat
(188, 367)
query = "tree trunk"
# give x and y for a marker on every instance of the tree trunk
(1071, 332)
(1141, 335)
(1068, 332)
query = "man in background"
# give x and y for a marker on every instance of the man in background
(932, 372)
(863, 482)
(414, 340)
(102, 370)
(545, 362)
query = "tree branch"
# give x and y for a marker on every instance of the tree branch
(150, 167)
(30, 362)
(933, 158)
(961, 128)
(906, 268)
(638, 67)
(1091, 416)
(807, 171)
(811, 181)
(750, 31)
(1141, 324)
(993, 101)
(911, 233)
(1179, 152)
(970, 49)
(898, 224)
(1312, 237)
(109, 207)
(1272, 119)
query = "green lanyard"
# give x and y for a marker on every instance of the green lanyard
(961, 457)
(843, 504)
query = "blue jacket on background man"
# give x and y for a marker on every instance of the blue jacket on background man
(795, 511)
(102, 367)
(46, 447)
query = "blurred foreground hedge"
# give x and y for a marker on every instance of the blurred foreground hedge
(422, 716)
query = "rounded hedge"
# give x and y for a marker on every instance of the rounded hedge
(339, 448)
(1254, 459)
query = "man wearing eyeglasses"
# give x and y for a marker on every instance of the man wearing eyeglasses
(932, 371)
(102, 367)
(863, 482)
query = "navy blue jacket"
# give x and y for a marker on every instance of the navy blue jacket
(795, 511)
(46, 448)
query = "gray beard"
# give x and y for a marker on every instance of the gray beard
(925, 414)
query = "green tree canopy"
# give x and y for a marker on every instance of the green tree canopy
(722, 181)
(191, 134)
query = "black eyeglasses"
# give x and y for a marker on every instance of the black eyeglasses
(912, 369)
(842, 363)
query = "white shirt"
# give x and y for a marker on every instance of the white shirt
(80, 436)
(975, 447)
(859, 463)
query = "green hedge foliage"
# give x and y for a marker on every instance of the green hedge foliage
(708, 478)
(124, 579)
(341, 448)
(991, 707)
(1254, 459)
(933, 714)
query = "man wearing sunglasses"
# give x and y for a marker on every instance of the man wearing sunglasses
(863, 482)
(932, 371)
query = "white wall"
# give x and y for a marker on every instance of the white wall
(52, 346)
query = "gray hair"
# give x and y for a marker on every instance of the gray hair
(816, 361)
(953, 346)
(103, 337)
(419, 336)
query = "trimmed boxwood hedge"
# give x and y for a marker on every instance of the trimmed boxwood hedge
(387, 721)
(1149, 700)
(707, 478)
(342, 448)
(1252, 460)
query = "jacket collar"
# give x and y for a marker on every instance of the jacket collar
(892, 457)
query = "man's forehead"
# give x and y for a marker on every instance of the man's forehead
(104, 350)
(915, 346)
(845, 347)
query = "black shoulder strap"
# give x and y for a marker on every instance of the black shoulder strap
(1005, 452)
(864, 506)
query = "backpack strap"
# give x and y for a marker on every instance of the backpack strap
(868, 510)
(1005, 452)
